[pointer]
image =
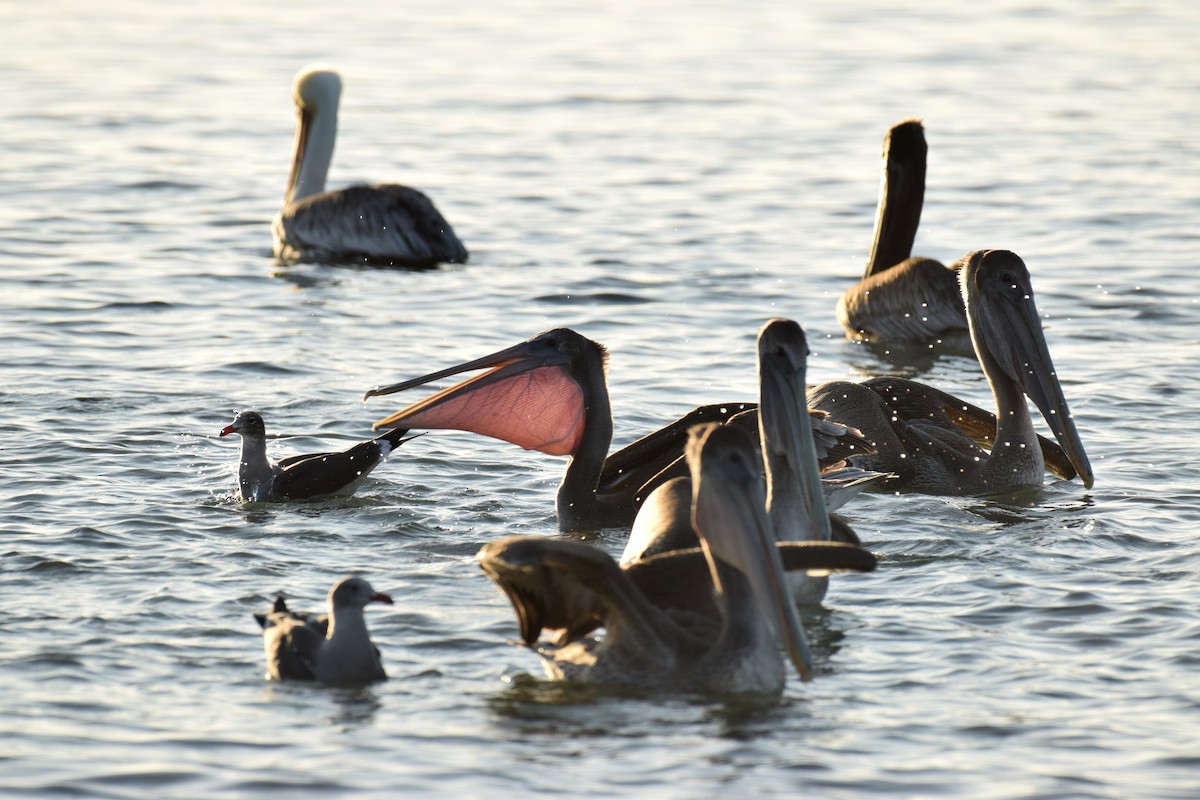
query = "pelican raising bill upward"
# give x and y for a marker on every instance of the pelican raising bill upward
(384, 225)
(709, 619)
(549, 394)
(902, 298)
(795, 493)
(933, 441)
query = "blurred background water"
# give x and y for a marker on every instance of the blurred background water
(662, 176)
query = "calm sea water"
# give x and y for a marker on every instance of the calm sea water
(662, 176)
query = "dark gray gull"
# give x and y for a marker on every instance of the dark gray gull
(304, 476)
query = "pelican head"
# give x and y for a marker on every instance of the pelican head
(537, 394)
(1011, 346)
(317, 87)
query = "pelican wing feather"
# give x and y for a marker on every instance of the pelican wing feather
(387, 224)
(912, 400)
(571, 587)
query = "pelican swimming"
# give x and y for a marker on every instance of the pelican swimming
(549, 394)
(386, 225)
(710, 619)
(306, 476)
(795, 493)
(331, 648)
(902, 298)
(932, 440)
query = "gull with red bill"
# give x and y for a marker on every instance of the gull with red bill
(303, 477)
(333, 648)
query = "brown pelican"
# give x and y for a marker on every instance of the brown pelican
(388, 225)
(693, 620)
(549, 394)
(901, 298)
(932, 440)
(305, 476)
(795, 492)
(331, 648)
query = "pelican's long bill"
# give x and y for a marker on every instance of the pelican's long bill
(729, 513)
(526, 397)
(1008, 332)
(786, 433)
(299, 149)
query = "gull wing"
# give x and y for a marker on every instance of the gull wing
(316, 474)
(291, 641)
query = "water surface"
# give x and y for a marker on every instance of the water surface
(662, 177)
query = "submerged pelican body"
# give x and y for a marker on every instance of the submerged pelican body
(384, 225)
(549, 394)
(933, 441)
(795, 494)
(708, 619)
(902, 298)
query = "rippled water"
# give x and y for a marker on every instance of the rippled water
(661, 176)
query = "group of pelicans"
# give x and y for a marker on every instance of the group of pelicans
(705, 595)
